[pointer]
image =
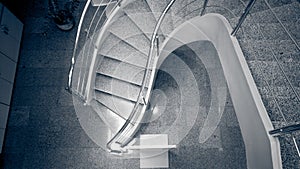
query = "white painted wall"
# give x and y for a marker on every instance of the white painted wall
(262, 150)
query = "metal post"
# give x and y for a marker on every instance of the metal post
(243, 17)
(204, 7)
(157, 44)
(286, 129)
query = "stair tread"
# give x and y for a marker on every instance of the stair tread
(117, 87)
(181, 9)
(158, 6)
(140, 42)
(145, 21)
(120, 106)
(110, 41)
(123, 51)
(121, 70)
(124, 27)
(134, 43)
(179, 6)
(136, 59)
(111, 119)
(137, 6)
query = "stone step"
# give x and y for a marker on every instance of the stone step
(124, 52)
(128, 30)
(121, 70)
(124, 27)
(141, 15)
(134, 58)
(138, 42)
(136, 6)
(184, 10)
(145, 21)
(118, 105)
(111, 119)
(157, 7)
(117, 87)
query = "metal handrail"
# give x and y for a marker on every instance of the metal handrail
(243, 17)
(285, 129)
(85, 95)
(141, 93)
(71, 70)
(204, 7)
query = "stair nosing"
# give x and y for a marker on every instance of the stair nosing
(116, 59)
(99, 102)
(133, 23)
(116, 78)
(124, 40)
(115, 95)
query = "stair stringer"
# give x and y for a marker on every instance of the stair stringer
(262, 149)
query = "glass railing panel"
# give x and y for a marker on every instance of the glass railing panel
(91, 20)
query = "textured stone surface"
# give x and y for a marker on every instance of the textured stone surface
(285, 13)
(117, 87)
(121, 70)
(124, 27)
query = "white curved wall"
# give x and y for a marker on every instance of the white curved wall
(262, 150)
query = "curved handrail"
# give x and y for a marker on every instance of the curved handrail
(141, 93)
(69, 85)
(83, 96)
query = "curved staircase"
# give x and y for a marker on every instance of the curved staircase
(126, 56)
(123, 66)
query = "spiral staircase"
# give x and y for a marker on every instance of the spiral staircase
(116, 60)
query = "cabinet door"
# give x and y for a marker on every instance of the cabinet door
(10, 34)
(1, 8)
(12, 25)
(7, 68)
(2, 132)
(3, 115)
(5, 91)
(9, 46)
